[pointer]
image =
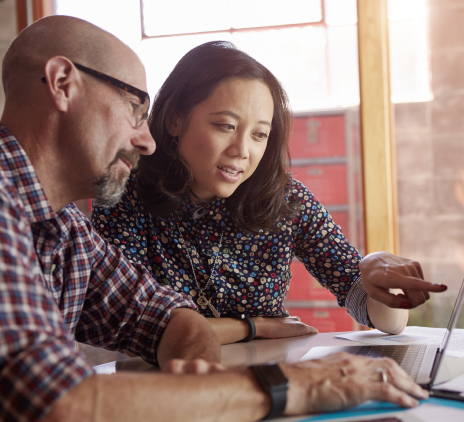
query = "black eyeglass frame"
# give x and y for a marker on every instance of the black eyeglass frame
(142, 95)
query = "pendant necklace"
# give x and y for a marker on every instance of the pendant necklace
(202, 299)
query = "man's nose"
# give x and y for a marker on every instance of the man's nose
(143, 141)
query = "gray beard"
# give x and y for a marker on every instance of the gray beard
(109, 190)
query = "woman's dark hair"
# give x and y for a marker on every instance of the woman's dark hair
(164, 179)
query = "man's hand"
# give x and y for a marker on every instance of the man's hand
(196, 366)
(267, 327)
(382, 271)
(343, 380)
(188, 336)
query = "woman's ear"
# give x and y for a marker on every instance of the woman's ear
(60, 75)
(173, 124)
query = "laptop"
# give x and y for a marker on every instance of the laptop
(421, 362)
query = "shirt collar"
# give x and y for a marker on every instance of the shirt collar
(15, 163)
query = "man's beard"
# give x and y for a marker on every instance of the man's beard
(109, 188)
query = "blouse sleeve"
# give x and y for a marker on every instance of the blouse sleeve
(327, 254)
(125, 225)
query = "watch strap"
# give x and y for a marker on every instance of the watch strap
(273, 381)
(251, 328)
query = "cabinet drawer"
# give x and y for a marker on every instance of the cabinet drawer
(318, 136)
(328, 183)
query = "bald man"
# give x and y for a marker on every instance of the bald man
(73, 127)
(68, 133)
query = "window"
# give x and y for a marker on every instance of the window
(310, 45)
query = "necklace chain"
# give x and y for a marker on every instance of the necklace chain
(202, 300)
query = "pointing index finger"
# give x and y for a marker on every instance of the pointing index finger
(413, 283)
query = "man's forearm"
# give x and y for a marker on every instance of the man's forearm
(231, 396)
(188, 336)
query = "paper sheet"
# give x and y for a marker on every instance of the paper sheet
(412, 335)
(456, 384)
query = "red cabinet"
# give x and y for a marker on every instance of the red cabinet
(325, 153)
(327, 182)
(318, 136)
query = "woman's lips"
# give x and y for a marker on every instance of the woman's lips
(230, 174)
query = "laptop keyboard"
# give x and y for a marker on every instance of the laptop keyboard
(408, 357)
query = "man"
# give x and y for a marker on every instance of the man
(70, 131)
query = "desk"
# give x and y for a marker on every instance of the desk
(291, 350)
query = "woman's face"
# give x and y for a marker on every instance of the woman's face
(224, 137)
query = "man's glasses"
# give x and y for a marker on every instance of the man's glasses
(140, 111)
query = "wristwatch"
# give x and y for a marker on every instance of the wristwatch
(273, 381)
(251, 325)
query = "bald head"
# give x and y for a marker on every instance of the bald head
(76, 39)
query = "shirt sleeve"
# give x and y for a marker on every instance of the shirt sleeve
(125, 308)
(38, 362)
(322, 247)
(356, 303)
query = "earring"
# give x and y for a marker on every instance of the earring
(173, 144)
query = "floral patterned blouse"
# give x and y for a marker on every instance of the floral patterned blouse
(247, 273)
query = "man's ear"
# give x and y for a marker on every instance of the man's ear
(61, 77)
(174, 124)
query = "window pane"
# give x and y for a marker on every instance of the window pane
(340, 12)
(185, 16)
(161, 17)
(343, 64)
(409, 64)
(297, 57)
(160, 55)
(256, 13)
(119, 17)
(410, 9)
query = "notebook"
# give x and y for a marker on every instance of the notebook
(422, 361)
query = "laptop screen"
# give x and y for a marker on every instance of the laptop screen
(451, 324)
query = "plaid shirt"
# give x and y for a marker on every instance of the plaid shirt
(59, 280)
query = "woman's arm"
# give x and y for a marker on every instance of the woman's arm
(393, 285)
(230, 330)
(388, 320)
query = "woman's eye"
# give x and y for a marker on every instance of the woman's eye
(262, 136)
(226, 126)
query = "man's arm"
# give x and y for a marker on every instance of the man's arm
(138, 314)
(188, 336)
(333, 383)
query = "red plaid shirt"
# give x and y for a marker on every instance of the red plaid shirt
(59, 280)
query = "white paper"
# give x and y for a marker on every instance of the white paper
(380, 338)
(412, 335)
(456, 384)
(432, 413)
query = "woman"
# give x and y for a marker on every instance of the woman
(215, 214)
